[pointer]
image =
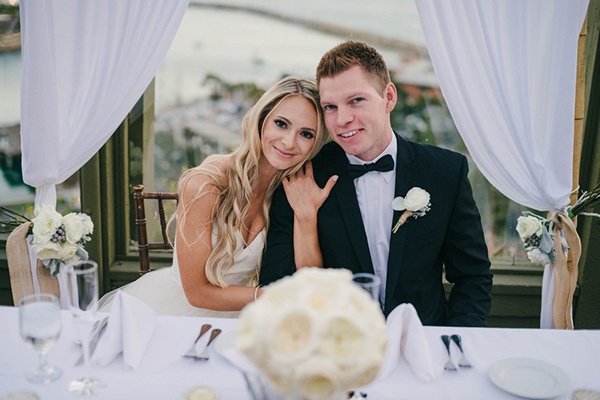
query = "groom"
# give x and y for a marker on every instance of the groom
(355, 222)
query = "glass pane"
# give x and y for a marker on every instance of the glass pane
(222, 58)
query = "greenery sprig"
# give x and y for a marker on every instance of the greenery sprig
(586, 201)
(13, 220)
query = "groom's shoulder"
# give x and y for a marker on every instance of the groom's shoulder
(330, 151)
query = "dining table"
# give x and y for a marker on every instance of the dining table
(164, 374)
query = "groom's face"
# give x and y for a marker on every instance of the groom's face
(357, 115)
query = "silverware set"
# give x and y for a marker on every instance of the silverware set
(463, 362)
(192, 353)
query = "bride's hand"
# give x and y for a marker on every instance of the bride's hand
(303, 193)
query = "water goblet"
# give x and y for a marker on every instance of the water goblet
(82, 284)
(369, 282)
(40, 326)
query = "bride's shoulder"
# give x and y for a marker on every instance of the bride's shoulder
(203, 177)
(216, 161)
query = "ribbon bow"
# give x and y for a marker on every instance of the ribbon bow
(384, 164)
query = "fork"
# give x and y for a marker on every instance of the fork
(449, 366)
(191, 353)
(463, 362)
(204, 355)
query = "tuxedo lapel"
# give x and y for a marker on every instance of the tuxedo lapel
(406, 176)
(345, 194)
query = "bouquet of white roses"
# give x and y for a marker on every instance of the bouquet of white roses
(314, 334)
(537, 234)
(59, 240)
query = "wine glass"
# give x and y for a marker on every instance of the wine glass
(82, 283)
(369, 282)
(40, 326)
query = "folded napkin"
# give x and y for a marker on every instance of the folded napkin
(130, 327)
(406, 338)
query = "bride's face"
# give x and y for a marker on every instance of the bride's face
(289, 132)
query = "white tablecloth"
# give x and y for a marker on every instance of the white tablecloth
(164, 374)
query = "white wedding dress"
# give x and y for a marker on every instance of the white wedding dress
(162, 290)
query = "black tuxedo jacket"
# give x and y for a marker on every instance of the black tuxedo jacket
(448, 237)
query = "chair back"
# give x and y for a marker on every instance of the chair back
(144, 246)
(19, 267)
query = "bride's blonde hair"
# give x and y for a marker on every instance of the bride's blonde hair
(234, 187)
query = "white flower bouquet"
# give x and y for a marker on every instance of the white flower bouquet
(537, 234)
(314, 334)
(59, 240)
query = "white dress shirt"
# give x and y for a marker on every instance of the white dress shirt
(375, 193)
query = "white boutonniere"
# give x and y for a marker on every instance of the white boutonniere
(416, 204)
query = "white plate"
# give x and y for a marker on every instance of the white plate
(529, 378)
(225, 341)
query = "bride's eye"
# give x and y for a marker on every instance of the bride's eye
(280, 123)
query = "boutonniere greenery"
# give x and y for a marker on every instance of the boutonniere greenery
(415, 204)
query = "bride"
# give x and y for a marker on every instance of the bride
(222, 214)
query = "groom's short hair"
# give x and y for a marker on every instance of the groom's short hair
(350, 53)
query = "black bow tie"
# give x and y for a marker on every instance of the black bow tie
(384, 164)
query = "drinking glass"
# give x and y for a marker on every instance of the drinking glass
(82, 283)
(40, 326)
(369, 282)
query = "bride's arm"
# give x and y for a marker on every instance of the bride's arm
(305, 198)
(194, 245)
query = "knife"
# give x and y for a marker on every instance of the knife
(95, 339)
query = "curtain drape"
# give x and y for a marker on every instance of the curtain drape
(85, 64)
(507, 70)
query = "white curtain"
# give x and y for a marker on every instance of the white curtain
(507, 70)
(85, 64)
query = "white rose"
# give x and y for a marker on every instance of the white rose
(416, 199)
(528, 226)
(293, 335)
(74, 228)
(317, 378)
(47, 250)
(538, 257)
(88, 225)
(67, 251)
(343, 339)
(45, 223)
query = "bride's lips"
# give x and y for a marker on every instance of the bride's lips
(283, 153)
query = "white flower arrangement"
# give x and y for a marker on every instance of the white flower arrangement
(416, 203)
(537, 234)
(59, 240)
(314, 334)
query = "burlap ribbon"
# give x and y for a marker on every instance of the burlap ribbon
(565, 273)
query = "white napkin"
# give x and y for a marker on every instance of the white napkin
(406, 338)
(130, 327)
